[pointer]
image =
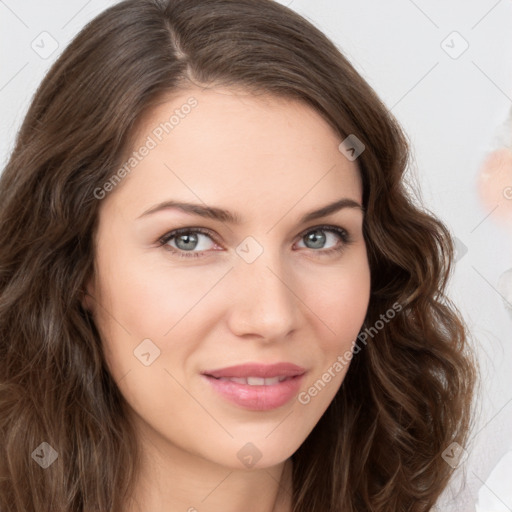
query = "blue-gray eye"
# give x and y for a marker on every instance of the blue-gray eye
(318, 237)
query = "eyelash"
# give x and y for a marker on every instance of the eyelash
(162, 241)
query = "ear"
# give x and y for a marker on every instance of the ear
(88, 296)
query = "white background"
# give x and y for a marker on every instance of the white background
(450, 108)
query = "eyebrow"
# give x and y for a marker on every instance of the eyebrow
(212, 212)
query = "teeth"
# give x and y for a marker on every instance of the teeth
(256, 381)
(260, 381)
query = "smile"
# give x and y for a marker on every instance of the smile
(256, 393)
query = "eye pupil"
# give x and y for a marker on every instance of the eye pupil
(317, 237)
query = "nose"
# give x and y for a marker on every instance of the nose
(263, 302)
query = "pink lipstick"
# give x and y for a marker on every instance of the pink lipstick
(257, 387)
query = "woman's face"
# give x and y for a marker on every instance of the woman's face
(279, 285)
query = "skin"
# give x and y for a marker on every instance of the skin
(495, 184)
(269, 160)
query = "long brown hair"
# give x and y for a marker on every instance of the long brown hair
(408, 392)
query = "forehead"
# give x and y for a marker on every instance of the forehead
(230, 145)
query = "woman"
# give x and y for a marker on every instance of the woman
(216, 291)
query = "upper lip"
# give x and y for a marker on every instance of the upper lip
(257, 370)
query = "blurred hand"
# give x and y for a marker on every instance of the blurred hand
(495, 184)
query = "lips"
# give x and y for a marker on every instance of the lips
(257, 387)
(255, 370)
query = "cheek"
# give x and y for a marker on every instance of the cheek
(141, 300)
(340, 298)
(147, 334)
(152, 299)
(340, 302)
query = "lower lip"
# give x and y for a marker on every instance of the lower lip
(257, 398)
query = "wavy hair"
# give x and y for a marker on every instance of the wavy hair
(408, 392)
